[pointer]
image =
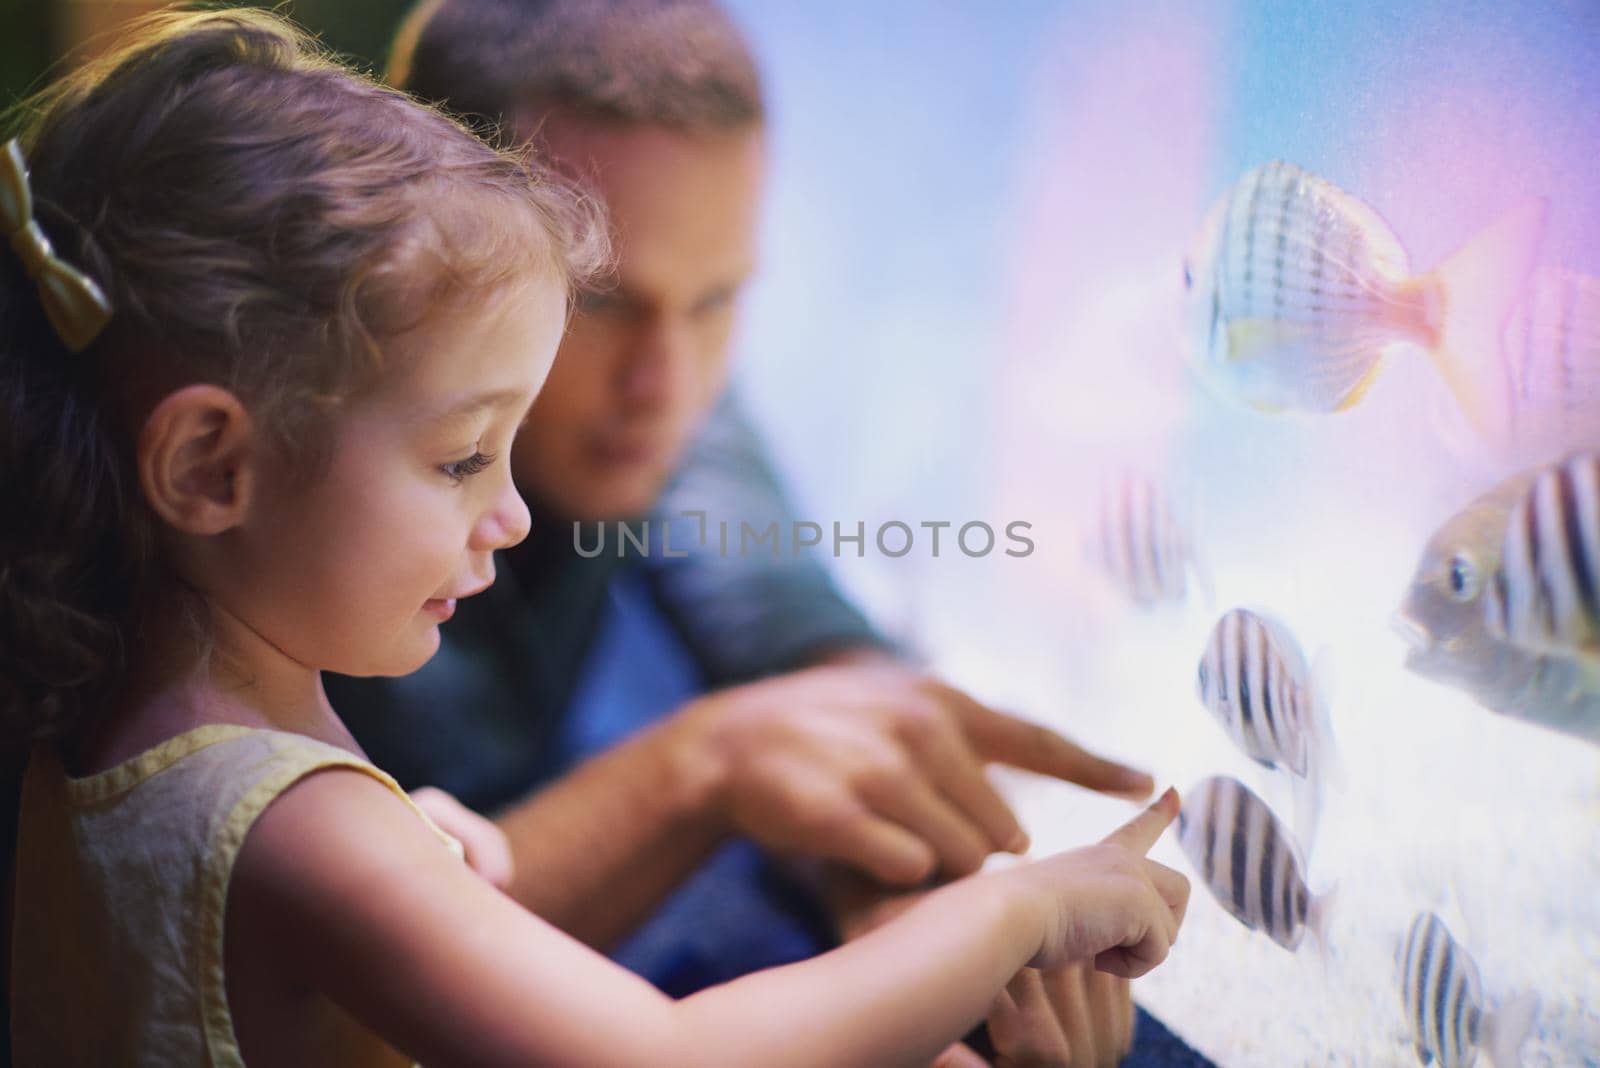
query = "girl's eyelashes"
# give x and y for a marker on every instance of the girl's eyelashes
(459, 471)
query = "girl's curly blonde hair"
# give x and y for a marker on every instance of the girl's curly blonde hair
(262, 219)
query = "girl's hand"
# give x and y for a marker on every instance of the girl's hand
(488, 849)
(1108, 901)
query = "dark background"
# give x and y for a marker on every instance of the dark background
(37, 34)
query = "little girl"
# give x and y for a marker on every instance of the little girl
(266, 334)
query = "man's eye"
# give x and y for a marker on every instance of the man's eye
(461, 470)
(714, 303)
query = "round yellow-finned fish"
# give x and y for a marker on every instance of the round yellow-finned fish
(1296, 288)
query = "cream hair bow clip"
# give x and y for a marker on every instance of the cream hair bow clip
(72, 301)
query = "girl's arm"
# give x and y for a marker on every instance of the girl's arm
(361, 903)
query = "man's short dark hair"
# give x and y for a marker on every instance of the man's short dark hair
(676, 63)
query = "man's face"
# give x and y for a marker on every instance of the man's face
(647, 351)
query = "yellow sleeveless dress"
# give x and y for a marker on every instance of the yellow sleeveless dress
(121, 883)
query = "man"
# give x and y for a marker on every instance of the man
(609, 681)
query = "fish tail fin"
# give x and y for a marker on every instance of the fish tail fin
(1505, 1029)
(1453, 429)
(1464, 907)
(1476, 289)
(1318, 911)
(1311, 778)
(1307, 807)
(1325, 757)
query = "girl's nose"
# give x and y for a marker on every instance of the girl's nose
(505, 524)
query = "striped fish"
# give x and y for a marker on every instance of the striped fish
(1296, 288)
(1443, 999)
(1552, 361)
(1249, 862)
(1142, 546)
(1545, 595)
(1253, 679)
(1442, 620)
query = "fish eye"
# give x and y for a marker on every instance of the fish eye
(1188, 275)
(1464, 582)
(1201, 678)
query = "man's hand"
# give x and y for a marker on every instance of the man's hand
(1068, 1017)
(876, 766)
(1071, 1017)
(487, 850)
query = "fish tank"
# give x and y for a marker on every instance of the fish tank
(1238, 306)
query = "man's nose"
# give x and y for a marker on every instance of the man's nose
(659, 365)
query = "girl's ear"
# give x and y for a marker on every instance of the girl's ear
(196, 459)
